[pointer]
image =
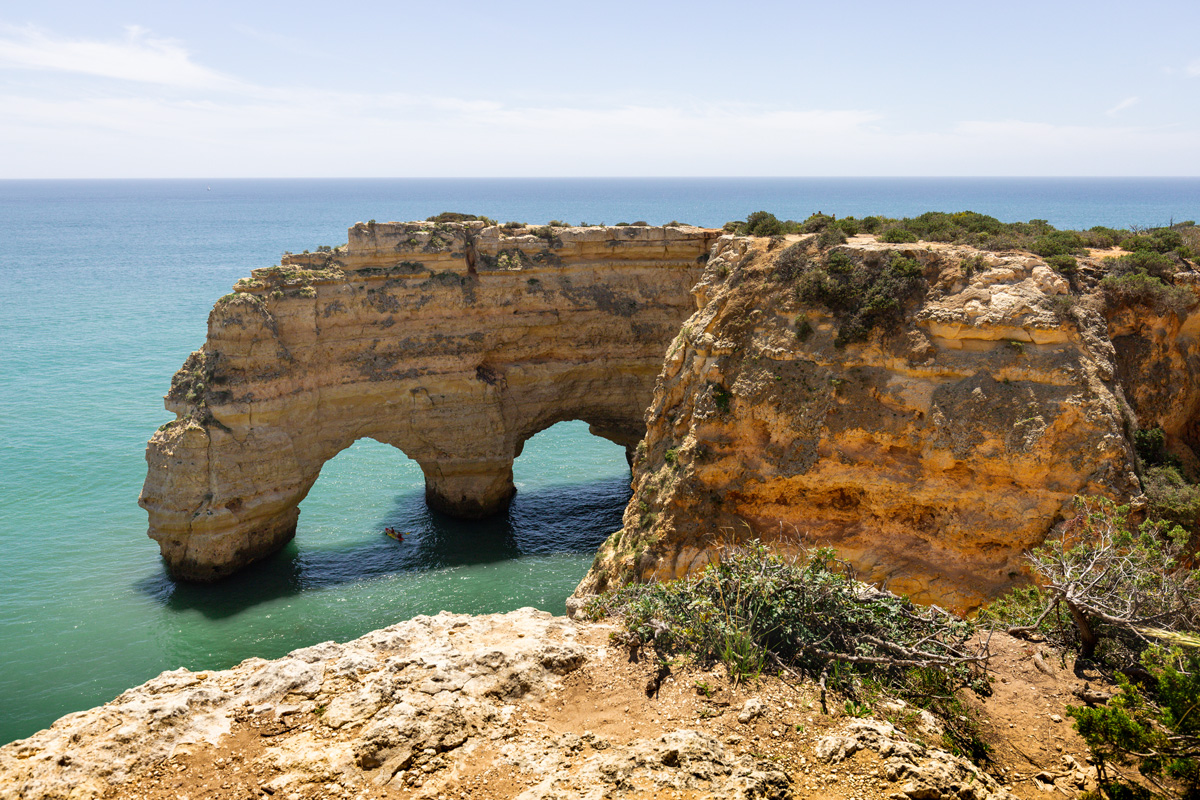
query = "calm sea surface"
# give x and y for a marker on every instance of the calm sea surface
(106, 289)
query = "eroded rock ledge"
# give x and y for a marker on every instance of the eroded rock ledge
(454, 342)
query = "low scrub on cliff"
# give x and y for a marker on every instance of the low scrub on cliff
(1145, 279)
(1172, 497)
(1103, 586)
(830, 229)
(756, 610)
(864, 293)
(1114, 593)
(1153, 723)
(455, 216)
(1181, 241)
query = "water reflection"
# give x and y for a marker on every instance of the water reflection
(560, 519)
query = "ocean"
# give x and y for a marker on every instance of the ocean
(107, 287)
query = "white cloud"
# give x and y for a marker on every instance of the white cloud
(273, 39)
(140, 57)
(1121, 106)
(300, 132)
(1193, 69)
(216, 125)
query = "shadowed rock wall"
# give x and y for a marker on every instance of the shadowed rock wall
(453, 342)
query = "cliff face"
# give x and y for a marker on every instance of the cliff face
(930, 458)
(453, 342)
(1158, 366)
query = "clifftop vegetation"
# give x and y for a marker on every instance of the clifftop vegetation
(1182, 239)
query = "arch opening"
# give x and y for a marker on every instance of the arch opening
(572, 489)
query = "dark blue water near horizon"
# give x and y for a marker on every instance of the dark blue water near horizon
(107, 288)
(1065, 202)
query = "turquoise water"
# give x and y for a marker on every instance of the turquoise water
(106, 289)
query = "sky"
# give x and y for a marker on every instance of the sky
(128, 89)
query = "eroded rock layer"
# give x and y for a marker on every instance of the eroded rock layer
(454, 342)
(931, 457)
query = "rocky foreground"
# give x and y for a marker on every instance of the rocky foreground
(527, 705)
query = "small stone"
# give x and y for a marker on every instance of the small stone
(752, 709)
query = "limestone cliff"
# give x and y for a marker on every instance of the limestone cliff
(931, 456)
(1158, 366)
(454, 342)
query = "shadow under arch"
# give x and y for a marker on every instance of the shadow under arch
(572, 489)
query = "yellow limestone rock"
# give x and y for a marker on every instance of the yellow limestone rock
(930, 457)
(454, 342)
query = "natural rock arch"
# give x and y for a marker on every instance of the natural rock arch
(455, 343)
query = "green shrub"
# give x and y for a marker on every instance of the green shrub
(804, 328)
(1172, 499)
(763, 223)
(1156, 265)
(1151, 447)
(1154, 724)
(1140, 289)
(454, 216)
(1159, 240)
(755, 609)
(816, 223)
(792, 262)
(1102, 237)
(831, 236)
(1058, 243)
(898, 236)
(972, 264)
(721, 397)
(871, 224)
(1102, 583)
(1000, 243)
(1065, 264)
(862, 295)
(849, 226)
